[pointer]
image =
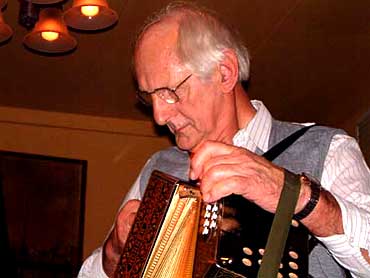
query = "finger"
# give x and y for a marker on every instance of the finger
(129, 207)
(124, 217)
(241, 161)
(205, 152)
(225, 187)
(264, 192)
(131, 219)
(225, 168)
(124, 221)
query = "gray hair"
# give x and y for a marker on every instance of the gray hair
(202, 39)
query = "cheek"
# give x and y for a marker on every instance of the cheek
(199, 109)
(200, 119)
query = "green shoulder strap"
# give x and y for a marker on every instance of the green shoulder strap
(284, 212)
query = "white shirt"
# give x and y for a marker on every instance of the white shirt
(345, 175)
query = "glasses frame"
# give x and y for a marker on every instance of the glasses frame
(172, 97)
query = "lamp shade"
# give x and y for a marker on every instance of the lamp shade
(90, 15)
(5, 31)
(50, 34)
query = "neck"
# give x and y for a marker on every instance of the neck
(242, 114)
(244, 109)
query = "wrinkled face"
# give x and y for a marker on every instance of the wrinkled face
(199, 114)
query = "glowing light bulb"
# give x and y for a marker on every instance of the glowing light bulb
(50, 35)
(90, 11)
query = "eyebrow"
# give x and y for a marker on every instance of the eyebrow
(167, 88)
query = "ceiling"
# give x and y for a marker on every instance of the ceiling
(310, 61)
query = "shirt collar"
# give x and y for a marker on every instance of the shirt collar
(256, 134)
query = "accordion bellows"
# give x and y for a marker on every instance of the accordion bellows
(176, 235)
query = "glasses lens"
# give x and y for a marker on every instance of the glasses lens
(165, 94)
(168, 96)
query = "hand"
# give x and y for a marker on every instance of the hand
(225, 169)
(113, 247)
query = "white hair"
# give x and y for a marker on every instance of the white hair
(202, 39)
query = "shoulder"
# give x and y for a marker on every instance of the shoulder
(281, 129)
(308, 153)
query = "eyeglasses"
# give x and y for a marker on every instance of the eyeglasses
(167, 94)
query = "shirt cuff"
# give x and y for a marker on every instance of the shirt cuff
(356, 224)
(346, 247)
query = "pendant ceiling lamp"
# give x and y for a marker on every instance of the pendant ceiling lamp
(50, 34)
(90, 15)
(5, 31)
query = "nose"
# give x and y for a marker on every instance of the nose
(162, 111)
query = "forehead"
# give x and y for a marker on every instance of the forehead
(155, 52)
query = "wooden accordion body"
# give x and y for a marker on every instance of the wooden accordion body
(175, 234)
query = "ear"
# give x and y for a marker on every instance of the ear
(229, 71)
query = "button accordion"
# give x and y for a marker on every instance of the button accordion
(176, 234)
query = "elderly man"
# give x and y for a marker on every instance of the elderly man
(189, 67)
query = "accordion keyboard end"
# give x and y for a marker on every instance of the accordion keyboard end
(189, 192)
(175, 248)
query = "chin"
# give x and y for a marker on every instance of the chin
(185, 143)
(184, 147)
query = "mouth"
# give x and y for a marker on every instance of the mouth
(174, 129)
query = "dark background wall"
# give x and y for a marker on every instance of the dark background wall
(310, 61)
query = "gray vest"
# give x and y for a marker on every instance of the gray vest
(307, 155)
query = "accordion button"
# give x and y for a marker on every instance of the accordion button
(247, 262)
(247, 251)
(206, 223)
(208, 207)
(205, 231)
(213, 224)
(279, 275)
(293, 255)
(261, 251)
(293, 265)
(292, 275)
(295, 223)
(215, 208)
